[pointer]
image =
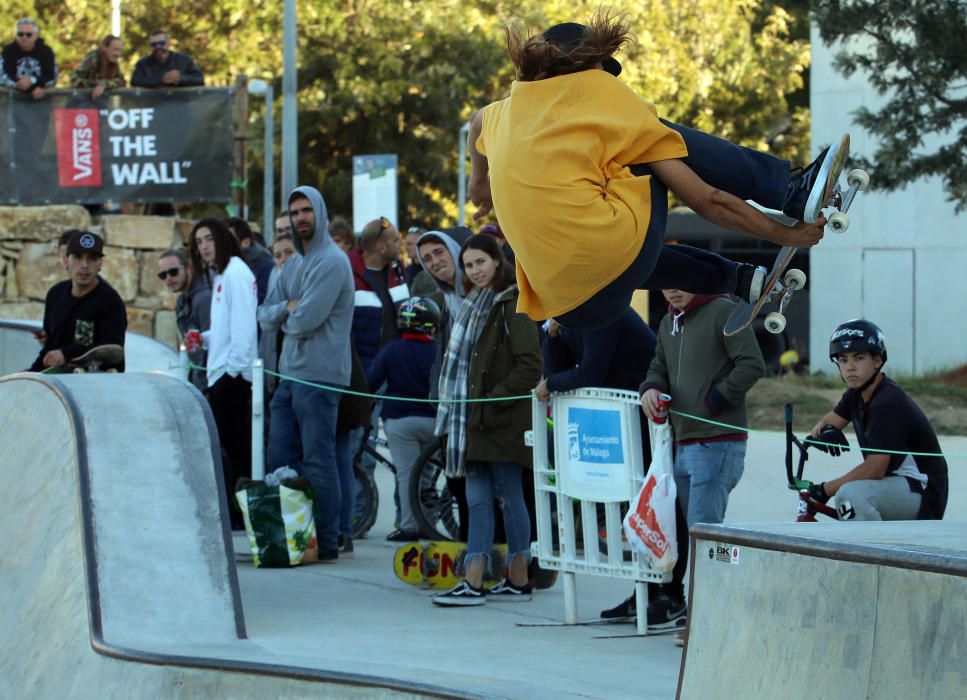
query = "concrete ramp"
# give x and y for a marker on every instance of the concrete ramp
(827, 610)
(116, 565)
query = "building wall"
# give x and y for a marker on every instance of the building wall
(901, 262)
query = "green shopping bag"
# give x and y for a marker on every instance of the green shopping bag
(278, 521)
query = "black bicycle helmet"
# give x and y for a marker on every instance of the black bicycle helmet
(418, 314)
(857, 335)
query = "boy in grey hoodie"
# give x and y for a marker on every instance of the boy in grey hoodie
(317, 304)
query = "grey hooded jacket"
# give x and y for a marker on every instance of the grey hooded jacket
(316, 343)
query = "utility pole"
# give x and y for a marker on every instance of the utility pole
(116, 17)
(290, 115)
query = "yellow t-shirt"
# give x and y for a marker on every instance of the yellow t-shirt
(558, 151)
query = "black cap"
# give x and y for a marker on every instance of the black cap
(85, 242)
(568, 37)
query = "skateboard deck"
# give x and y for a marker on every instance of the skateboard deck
(829, 171)
(440, 564)
(98, 359)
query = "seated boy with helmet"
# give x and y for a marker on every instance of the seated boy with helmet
(896, 479)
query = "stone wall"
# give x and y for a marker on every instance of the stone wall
(29, 264)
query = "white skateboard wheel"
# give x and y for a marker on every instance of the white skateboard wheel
(838, 222)
(858, 177)
(795, 279)
(775, 322)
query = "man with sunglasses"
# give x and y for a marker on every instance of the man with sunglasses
(164, 68)
(28, 63)
(193, 307)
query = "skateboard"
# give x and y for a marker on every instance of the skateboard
(780, 283)
(103, 358)
(441, 564)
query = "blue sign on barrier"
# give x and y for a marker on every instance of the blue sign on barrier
(594, 436)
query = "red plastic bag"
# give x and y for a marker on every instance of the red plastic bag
(650, 522)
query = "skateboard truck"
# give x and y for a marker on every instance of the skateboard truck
(856, 181)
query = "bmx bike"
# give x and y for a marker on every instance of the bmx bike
(807, 507)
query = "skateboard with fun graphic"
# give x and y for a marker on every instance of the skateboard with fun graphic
(440, 564)
(103, 358)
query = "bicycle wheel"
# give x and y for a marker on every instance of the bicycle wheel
(367, 501)
(434, 506)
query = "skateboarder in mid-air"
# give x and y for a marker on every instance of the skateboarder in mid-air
(578, 167)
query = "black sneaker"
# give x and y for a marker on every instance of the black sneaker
(461, 595)
(345, 546)
(665, 612)
(403, 536)
(749, 281)
(328, 556)
(507, 592)
(805, 188)
(624, 610)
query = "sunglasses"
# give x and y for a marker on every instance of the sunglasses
(24, 35)
(384, 223)
(159, 44)
(170, 272)
(414, 229)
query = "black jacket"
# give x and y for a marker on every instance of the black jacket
(148, 72)
(74, 325)
(39, 64)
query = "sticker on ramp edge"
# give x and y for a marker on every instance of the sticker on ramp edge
(726, 553)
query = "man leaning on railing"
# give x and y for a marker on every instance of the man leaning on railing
(164, 68)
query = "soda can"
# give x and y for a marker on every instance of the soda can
(664, 404)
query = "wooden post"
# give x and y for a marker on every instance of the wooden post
(240, 128)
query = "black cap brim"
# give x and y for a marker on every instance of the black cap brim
(611, 65)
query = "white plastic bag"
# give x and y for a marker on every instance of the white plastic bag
(650, 522)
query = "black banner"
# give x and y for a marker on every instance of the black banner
(128, 146)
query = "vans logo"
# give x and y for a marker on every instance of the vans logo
(78, 147)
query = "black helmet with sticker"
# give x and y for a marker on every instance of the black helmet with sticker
(418, 314)
(857, 335)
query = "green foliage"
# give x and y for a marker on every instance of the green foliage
(913, 55)
(402, 76)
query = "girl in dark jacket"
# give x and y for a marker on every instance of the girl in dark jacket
(493, 353)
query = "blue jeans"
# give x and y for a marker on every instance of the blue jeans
(303, 436)
(347, 482)
(503, 480)
(743, 172)
(705, 474)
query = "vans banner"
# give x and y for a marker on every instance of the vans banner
(128, 146)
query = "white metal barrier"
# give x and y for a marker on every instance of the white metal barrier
(598, 468)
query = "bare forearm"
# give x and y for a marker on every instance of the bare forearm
(728, 211)
(479, 167)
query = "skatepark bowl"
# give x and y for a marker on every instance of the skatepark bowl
(119, 579)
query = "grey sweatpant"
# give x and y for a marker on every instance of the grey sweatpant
(889, 498)
(407, 438)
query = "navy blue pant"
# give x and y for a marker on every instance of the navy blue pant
(740, 171)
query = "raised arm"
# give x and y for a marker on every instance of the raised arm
(729, 211)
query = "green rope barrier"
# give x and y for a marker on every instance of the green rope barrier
(736, 428)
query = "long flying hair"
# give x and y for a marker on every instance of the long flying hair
(106, 69)
(534, 56)
(504, 275)
(226, 246)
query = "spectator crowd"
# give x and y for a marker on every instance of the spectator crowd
(30, 66)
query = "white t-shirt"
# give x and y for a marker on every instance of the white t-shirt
(233, 338)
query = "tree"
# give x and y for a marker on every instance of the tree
(913, 55)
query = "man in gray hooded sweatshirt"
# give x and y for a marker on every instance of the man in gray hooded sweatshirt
(318, 304)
